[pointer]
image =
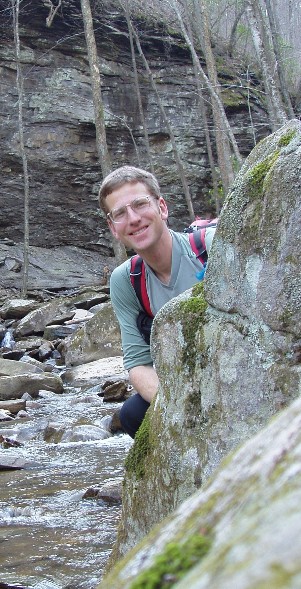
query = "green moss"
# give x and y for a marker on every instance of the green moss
(135, 460)
(258, 173)
(287, 138)
(170, 566)
(192, 312)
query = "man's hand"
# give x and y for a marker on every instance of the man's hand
(145, 381)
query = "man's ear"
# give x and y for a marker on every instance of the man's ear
(163, 209)
(112, 229)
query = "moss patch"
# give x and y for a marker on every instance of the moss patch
(192, 314)
(258, 173)
(287, 138)
(173, 564)
(135, 460)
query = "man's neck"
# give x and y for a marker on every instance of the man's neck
(159, 257)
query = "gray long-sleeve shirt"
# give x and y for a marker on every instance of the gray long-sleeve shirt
(185, 265)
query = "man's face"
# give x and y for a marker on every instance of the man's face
(138, 227)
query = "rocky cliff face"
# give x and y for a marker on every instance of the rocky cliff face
(59, 130)
(227, 354)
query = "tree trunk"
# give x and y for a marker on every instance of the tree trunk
(208, 84)
(101, 139)
(275, 34)
(275, 107)
(222, 142)
(169, 129)
(137, 87)
(15, 7)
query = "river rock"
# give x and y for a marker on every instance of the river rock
(36, 321)
(13, 387)
(245, 521)
(13, 406)
(53, 332)
(95, 372)
(11, 462)
(115, 392)
(14, 368)
(84, 433)
(98, 338)
(18, 308)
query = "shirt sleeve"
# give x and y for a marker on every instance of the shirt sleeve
(136, 352)
(209, 235)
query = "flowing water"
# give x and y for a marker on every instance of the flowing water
(50, 537)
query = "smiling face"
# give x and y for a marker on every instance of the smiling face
(142, 229)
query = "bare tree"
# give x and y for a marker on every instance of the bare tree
(15, 8)
(101, 138)
(168, 126)
(221, 137)
(136, 82)
(208, 85)
(260, 35)
(275, 35)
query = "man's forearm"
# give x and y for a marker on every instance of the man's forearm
(145, 381)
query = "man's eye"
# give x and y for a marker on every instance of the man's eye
(119, 213)
(140, 203)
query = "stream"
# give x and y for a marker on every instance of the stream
(50, 537)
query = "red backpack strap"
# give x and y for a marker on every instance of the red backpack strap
(197, 244)
(138, 280)
(197, 241)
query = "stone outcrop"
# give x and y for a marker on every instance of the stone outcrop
(59, 130)
(227, 353)
(242, 530)
(98, 338)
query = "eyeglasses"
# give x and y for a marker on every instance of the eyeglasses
(138, 205)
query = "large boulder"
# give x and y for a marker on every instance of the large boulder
(241, 531)
(98, 338)
(17, 378)
(227, 354)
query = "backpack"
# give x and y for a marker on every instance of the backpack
(197, 231)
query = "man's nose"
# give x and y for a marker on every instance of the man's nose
(132, 215)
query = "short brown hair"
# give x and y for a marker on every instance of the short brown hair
(127, 175)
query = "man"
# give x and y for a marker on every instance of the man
(137, 216)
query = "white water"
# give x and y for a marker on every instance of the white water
(50, 538)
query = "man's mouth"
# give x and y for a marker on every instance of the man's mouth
(141, 230)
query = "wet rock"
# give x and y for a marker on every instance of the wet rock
(94, 372)
(9, 462)
(13, 406)
(98, 338)
(113, 392)
(84, 433)
(14, 368)
(36, 321)
(109, 493)
(9, 443)
(53, 433)
(5, 415)
(45, 350)
(52, 332)
(18, 308)
(115, 424)
(13, 387)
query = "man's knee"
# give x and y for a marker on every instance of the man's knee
(132, 414)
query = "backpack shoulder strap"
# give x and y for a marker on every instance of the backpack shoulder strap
(138, 280)
(197, 242)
